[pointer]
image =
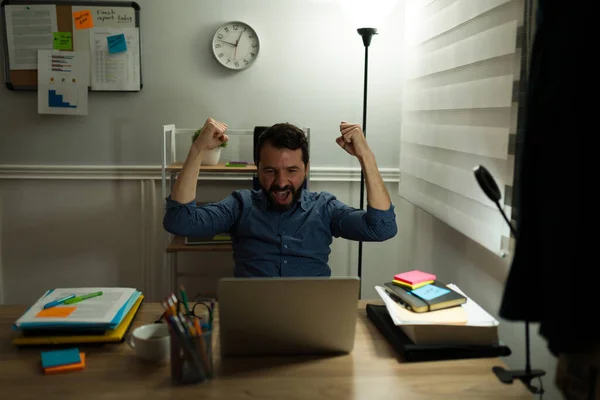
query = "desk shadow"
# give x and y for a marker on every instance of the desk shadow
(260, 365)
(380, 345)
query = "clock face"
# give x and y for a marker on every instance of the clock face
(235, 45)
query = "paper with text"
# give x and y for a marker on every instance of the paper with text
(100, 309)
(103, 17)
(29, 28)
(119, 71)
(63, 82)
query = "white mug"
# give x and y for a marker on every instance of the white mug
(151, 342)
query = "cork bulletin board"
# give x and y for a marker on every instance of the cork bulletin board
(71, 19)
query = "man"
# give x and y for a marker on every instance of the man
(282, 229)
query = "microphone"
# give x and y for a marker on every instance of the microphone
(490, 188)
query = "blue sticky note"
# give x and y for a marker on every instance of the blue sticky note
(54, 358)
(117, 43)
(430, 292)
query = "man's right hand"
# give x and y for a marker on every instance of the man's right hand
(211, 136)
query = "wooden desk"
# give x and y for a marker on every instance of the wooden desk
(371, 371)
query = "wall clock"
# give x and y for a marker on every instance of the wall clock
(235, 45)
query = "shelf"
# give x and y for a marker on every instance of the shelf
(178, 245)
(250, 168)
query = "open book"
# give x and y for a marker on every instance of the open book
(106, 310)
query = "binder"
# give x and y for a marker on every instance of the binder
(109, 336)
(411, 352)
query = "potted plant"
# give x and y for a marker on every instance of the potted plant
(210, 157)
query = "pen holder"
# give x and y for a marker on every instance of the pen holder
(191, 358)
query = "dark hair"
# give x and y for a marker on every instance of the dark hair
(283, 136)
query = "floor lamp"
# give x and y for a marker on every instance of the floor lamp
(367, 35)
(365, 15)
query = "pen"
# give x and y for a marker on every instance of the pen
(184, 299)
(83, 297)
(59, 301)
(200, 338)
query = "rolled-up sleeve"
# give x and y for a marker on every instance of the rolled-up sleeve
(208, 220)
(372, 225)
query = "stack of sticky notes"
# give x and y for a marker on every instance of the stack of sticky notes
(59, 361)
(414, 279)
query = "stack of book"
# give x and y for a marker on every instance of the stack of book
(432, 312)
(420, 292)
(78, 315)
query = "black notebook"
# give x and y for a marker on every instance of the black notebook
(410, 352)
(435, 296)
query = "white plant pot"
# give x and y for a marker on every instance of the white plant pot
(211, 157)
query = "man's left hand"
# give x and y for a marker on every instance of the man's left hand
(353, 140)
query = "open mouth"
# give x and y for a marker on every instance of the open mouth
(281, 196)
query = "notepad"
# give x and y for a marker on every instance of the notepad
(430, 292)
(55, 358)
(435, 296)
(414, 277)
(67, 367)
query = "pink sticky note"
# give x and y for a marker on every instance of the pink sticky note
(413, 277)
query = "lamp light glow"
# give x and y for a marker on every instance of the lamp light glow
(367, 13)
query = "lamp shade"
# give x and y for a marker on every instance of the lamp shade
(367, 13)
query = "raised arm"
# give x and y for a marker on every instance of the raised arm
(353, 140)
(211, 136)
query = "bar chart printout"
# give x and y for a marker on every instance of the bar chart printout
(63, 80)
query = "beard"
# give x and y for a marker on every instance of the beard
(285, 193)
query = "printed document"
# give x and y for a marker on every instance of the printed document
(29, 28)
(63, 82)
(117, 71)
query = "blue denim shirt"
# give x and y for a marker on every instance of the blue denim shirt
(273, 243)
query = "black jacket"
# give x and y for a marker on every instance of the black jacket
(549, 280)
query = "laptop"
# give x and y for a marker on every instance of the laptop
(287, 316)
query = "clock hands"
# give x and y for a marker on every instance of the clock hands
(236, 43)
(239, 37)
(229, 43)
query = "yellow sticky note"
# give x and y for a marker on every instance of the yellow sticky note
(83, 19)
(56, 312)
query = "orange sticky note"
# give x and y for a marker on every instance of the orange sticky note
(68, 367)
(83, 19)
(56, 312)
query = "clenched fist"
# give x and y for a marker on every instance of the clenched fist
(211, 136)
(353, 140)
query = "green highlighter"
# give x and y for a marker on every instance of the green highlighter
(77, 299)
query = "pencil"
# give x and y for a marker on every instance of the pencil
(202, 345)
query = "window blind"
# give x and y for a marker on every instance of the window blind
(463, 62)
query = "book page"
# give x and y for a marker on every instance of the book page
(101, 309)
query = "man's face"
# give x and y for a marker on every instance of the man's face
(281, 173)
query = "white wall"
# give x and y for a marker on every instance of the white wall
(83, 231)
(309, 72)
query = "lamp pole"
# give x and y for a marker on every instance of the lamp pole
(367, 35)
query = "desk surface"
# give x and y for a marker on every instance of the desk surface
(371, 371)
